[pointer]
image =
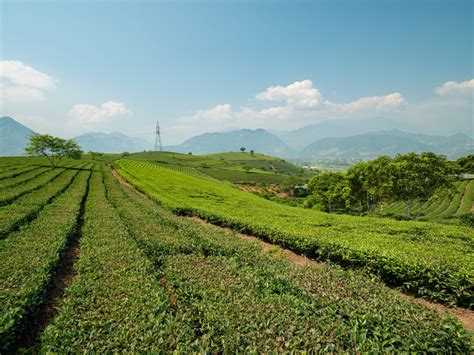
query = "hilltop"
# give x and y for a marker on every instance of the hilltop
(230, 166)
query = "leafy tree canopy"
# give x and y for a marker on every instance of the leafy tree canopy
(53, 148)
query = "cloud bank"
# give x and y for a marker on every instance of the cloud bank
(91, 114)
(301, 103)
(21, 83)
(455, 88)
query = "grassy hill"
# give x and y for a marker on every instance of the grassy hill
(235, 167)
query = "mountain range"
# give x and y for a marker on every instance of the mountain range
(258, 140)
(370, 145)
(14, 138)
(364, 146)
(115, 142)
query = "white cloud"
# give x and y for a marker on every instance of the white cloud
(91, 114)
(218, 114)
(20, 94)
(303, 104)
(300, 94)
(376, 104)
(453, 88)
(21, 83)
(24, 75)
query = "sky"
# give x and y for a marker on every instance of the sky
(69, 67)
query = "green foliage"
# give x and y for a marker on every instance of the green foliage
(465, 164)
(29, 257)
(53, 148)
(411, 178)
(468, 199)
(149, 281)
(410, 254)
(418, 177)
(232, 167)
(467, 219)
(328, 190)
(26, 206)
(95, 155)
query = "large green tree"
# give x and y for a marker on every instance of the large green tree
(416, 177)
(370, 184)
(328, 191)
(53, 148)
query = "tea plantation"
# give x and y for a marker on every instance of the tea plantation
(87, 264)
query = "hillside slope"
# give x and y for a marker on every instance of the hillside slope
(13, 137)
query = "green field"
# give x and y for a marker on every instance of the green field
(232, 167)
(411, 254)
(141, 279)
(446, 207)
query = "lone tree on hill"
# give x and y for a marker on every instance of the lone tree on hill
(252, 152)
(242, 149)
(53, 148)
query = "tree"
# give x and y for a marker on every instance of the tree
(53, 148)
(328, 191)
(252, 153)
(242, 149)
(465, 164)
(416, 177)
(190, 153)
(370, 184)
(125, 154)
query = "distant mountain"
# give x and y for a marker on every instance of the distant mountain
(259, 140)
(370, 145)
(14, 137)
(111, 143)
(300, 138)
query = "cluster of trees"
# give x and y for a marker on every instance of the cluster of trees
(366, 186)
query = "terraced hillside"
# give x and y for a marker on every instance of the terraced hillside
(447, 207)
(88, 264)
(233, 167)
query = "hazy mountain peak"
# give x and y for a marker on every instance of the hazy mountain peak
(258, 140)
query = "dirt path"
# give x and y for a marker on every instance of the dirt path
(465, 316)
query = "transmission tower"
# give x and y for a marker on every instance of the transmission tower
(158, 144)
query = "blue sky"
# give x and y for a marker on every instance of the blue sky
(209, 66)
